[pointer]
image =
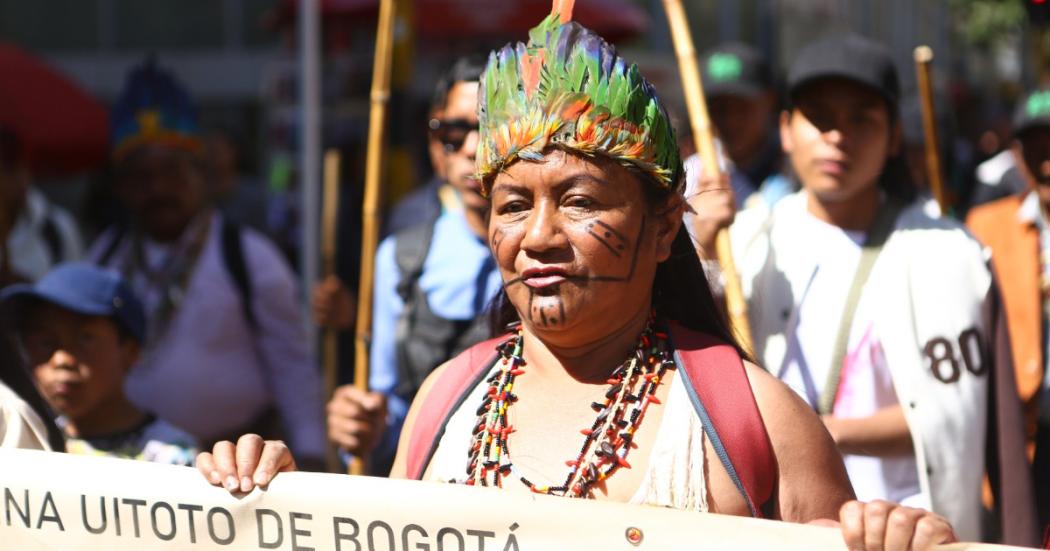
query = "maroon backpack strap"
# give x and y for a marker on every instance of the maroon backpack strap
(718, 386)
(463, 373)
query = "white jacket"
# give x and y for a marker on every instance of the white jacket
(927, 294)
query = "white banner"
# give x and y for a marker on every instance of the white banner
(59, 501)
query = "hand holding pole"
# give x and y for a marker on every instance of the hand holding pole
(702, 133)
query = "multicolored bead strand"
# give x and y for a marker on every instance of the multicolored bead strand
(632, 388)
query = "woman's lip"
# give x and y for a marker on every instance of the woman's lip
(541, 281)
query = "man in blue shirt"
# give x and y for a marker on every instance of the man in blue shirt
(433, 282)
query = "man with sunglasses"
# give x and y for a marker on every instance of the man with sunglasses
(433, 282)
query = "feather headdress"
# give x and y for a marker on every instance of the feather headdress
(568, 88)
(153, 107)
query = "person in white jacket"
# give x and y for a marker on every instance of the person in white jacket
(886, 320)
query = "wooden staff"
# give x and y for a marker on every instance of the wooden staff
(923, 59)
(370, 210)
(704, 137)
(329, 242)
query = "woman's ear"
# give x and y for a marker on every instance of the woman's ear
(668, 221)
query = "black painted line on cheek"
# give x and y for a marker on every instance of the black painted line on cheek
(561, 309)
(497, 240)
(611, 230)
(615, 252)
(532, 313)
(634, 260)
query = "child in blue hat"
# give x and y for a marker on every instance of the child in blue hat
(81, 329)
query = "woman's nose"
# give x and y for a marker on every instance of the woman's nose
(543, 230)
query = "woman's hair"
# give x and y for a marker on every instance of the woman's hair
(14, 375)
(680, 288)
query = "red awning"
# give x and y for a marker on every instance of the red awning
(446, 19)
(61, 129)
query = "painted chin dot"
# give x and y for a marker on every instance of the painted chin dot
(607, 234)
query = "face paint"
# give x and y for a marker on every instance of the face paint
(572, 241)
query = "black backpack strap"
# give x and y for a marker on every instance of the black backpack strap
(411, 246)
(53, 239)
(233, 258)
(112, 246)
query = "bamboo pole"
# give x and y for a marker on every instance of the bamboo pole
(329, 243)
(923, 59)
(380, 95)
(705, 142)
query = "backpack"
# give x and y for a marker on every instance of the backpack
(715, 381)
(424, 339)
(232, 259)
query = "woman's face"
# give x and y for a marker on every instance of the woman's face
(577, 244)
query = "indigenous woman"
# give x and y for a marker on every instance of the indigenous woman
(596, 388)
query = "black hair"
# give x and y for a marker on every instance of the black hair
(15, 376)
(465, 69)
(680, 289)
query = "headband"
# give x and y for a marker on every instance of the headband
(568, 88)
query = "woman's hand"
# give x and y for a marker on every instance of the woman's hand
(881, 525)
(250, 462)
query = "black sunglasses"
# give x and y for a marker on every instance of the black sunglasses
(452, 133)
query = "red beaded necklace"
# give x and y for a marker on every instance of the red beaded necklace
(632, 388)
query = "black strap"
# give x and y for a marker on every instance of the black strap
(53, 239)
(233, 258)
(880, 231)
(411, 246)
(112, 246)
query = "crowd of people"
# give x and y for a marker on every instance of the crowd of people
(555, 286)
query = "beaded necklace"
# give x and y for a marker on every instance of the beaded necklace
(607, 441)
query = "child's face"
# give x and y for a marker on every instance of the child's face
(838, 137)
(79, 361)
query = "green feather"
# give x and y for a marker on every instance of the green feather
(572, 76)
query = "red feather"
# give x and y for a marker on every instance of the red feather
(530, 72)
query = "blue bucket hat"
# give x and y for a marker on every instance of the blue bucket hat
(84, 289)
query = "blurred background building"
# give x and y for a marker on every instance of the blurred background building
(240, 60)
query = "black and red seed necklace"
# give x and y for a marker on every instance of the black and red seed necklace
(607, 441)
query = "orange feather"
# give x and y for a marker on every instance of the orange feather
(531, 66)
(564, 9)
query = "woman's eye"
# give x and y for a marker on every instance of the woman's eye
(580, 202)
(512, 207)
